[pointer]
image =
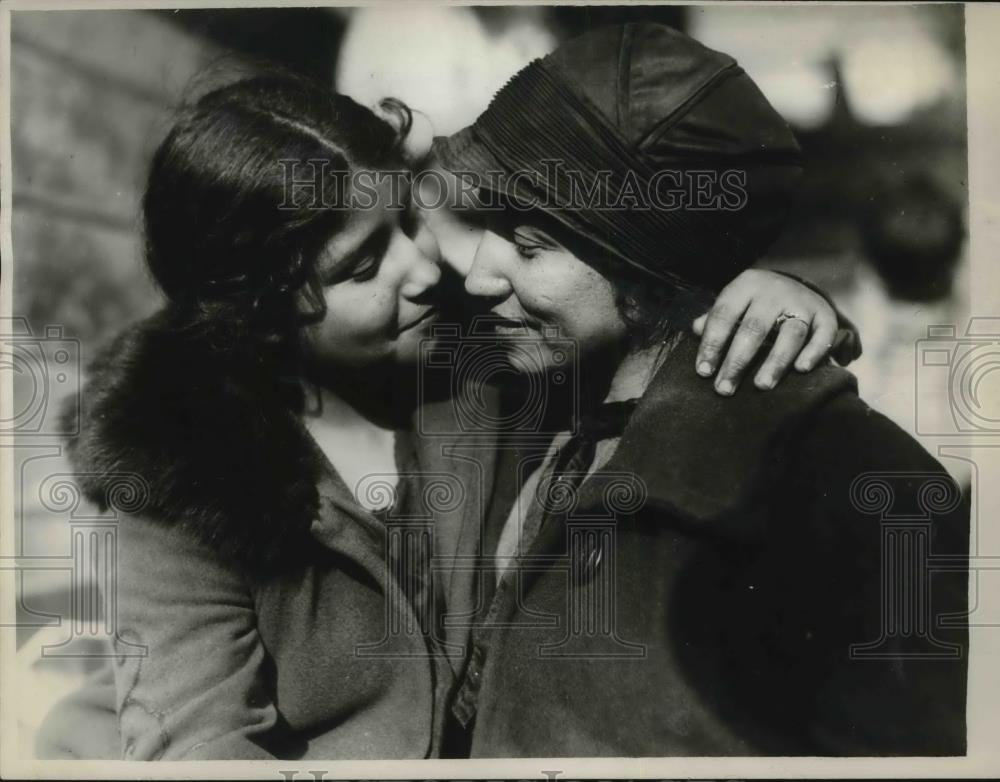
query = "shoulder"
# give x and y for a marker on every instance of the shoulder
(845, 435)
(707, 458)
(857, 469)
(171, 583)
(167, 565)
(166, 414)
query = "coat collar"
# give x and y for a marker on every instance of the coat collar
(215, 448)
(702, 457)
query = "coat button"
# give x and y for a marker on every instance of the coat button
(476, 665)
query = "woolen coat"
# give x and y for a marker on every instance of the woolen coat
(778, 573)
(257, 613)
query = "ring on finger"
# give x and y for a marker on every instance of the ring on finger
(789, 316)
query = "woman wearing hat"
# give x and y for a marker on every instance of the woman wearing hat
(681, 574)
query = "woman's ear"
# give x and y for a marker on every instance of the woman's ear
(416, 145)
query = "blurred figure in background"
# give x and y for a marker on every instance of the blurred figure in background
(913, 240)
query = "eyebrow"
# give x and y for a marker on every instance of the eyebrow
(376, 240)
(535, 221)
(533, 234)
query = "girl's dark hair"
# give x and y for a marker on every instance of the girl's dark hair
(241, 198)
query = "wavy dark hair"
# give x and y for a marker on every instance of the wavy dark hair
(234, 254)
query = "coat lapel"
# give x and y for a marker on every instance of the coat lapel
(704, 458)
(464, 456)
(345, 527)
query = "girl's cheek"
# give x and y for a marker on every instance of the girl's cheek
(371, 311)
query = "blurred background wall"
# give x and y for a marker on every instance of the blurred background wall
(876, 95)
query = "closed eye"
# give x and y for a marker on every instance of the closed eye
(366, 269)
(362, 264)
(527, 250)
(530, 242)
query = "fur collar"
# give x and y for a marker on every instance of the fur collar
(215, 449)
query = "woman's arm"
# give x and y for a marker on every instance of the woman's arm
(188, 672)
(746, 313)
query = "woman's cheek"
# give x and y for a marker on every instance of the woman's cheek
(363, 310)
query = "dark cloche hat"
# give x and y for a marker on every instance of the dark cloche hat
(652, 146)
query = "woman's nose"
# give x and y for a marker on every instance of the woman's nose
(485, 278)
(421, 273)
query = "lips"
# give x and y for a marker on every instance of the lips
(510, 327)
(429, 313)
(511, 331)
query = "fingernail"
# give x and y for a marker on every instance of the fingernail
(704, 369)
(802, 366)
(725, 388)
(765, 383)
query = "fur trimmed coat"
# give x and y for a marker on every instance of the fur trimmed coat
(254, 593)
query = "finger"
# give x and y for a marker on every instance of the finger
(792, 335)
(846, 347)
(753, 330)
(698, 327)
(824, 331)
(720, 324)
